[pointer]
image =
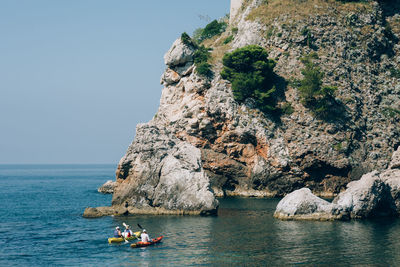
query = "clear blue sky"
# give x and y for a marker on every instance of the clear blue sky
(77, 76)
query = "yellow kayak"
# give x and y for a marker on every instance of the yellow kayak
(120, 239)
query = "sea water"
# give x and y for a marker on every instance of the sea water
(41, 224)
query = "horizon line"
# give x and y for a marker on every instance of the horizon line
(58, 163)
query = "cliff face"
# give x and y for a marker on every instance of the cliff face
(161, 173)
(202, 143)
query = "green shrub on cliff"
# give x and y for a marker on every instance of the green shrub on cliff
(204, 69)
(202, 54)
(201, 57)
(391, 112)
(212, 29)
(394, 72)
(251, 74)
(287, 108)
(187, 40)
(228, 39)
(318, 98)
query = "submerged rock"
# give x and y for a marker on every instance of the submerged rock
(107, 187)
(122, 211)
(101, 211)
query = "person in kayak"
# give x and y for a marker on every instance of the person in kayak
(145, 237)
(117, 232)
(128, 232)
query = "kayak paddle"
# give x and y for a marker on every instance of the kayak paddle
(126, 226)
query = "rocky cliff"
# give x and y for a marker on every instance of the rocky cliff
(202, 144)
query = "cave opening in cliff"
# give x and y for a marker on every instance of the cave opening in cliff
(320, 170)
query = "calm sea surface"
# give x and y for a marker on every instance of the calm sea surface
(41, 225)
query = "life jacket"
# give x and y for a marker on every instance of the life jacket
(145, 238)
(116, 233)
(128, 233)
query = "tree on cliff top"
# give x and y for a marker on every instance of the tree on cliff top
(251, 74)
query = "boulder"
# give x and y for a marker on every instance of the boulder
(170, 77)
(107, 187)
(178, 54)
(365, 198)
(374, 195)
(183, 183)
(303, 205)
(392, 179)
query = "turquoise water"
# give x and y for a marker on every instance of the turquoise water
(41, 225)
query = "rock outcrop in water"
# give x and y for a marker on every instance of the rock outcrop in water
(107, 187)
(374, 195)
(237, 150)
(302, 204)
(161, 172)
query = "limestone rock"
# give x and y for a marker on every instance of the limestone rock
(367, 197)
(178, 54)
(170, 77)
(303, 205)
(392, 179)
(248, 34)
(107, 187)
(374, 195)
(163, 172)
(395, 163)
(183, 183)
(248, 31)
(101, 211)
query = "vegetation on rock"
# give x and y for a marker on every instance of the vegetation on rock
(287, 108)
(212, 29)
(395, 73)
(202, 54)
(251, 74)
(228, 39)
(391, 112)
(318, 98)
(187, 40)
(204, 69)
(200, 57)
(271, 9)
